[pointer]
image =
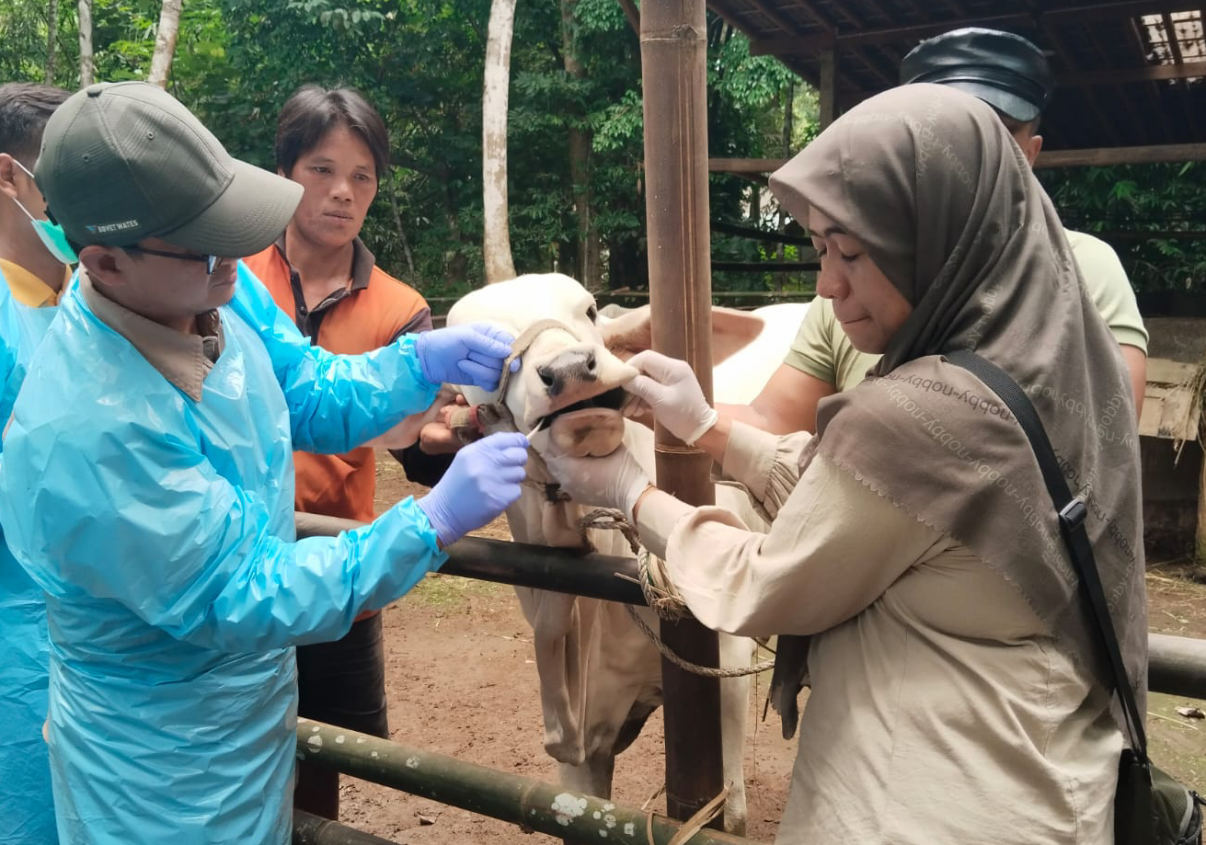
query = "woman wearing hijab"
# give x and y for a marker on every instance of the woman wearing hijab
(957, 694)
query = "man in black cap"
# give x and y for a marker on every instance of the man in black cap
(148, 480)
(1012, 75)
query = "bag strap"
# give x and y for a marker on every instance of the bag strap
(1071, 511)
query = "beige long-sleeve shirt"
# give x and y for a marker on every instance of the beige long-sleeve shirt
(941, 710)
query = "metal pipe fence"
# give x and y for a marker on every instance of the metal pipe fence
(1176, 665)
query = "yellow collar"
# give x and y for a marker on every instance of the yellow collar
(28, 289)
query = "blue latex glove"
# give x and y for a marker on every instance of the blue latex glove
(469, 354)
(483, 479)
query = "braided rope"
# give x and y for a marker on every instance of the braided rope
(660, 594)
(610, 519)
(687, 665)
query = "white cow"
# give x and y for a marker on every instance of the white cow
(600, 678)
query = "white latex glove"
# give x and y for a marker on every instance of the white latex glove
(669, 387)
(612, 481)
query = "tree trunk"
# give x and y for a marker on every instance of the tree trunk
(496, 241)
(789, 108)
(52, 39)
(410, 261)
(165, 42)
(580, 141)
(86, 66)
(456, 264)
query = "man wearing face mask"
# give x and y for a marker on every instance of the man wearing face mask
(32, 249)
(33, 253)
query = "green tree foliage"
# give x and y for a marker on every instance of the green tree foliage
(420, 62)
(1148, 213)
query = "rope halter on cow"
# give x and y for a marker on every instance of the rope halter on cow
(662, 597)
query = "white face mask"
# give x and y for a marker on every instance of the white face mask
(50, 234)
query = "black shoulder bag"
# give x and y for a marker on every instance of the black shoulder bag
(1150, 808)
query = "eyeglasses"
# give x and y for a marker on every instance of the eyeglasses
(211, 261)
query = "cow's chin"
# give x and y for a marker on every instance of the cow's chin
(589, 432)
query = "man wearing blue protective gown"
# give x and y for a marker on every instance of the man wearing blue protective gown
(148, 481)
(32, 275)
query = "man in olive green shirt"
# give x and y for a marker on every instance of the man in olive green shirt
(1011, 75)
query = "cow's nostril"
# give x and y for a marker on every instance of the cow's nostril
(590, 362)
(546, 376)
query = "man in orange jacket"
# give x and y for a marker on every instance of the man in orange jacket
(336, 146)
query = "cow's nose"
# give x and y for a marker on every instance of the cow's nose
(568, 367)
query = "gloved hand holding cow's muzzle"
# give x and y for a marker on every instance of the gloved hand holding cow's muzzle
(669, 387)
(469, 354)
(612, 481)
(482, 481)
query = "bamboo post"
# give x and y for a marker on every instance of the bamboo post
(527, 802)
(1199, 546)
(828, 87)
(673, 56)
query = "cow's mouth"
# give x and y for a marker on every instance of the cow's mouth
(611, 400)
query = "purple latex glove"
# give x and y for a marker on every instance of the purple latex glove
(483, 479)
(469, 354)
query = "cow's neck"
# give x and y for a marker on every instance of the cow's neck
(560, 516)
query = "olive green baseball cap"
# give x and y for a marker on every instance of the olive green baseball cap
(125, 161)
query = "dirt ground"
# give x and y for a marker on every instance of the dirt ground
(461, 681)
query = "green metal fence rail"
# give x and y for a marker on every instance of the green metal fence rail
(527, 802)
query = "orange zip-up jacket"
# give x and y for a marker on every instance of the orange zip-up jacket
(370, 313)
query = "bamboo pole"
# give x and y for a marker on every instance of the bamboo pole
(525, 801)
(673, 56)
(1096, 157)
(828, 87)
(1199, 546)
(309, 829)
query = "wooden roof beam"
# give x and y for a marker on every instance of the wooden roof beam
(885, 76)
(886, 35)
(779, 19)
(1138, 131)
(1107, 128)
(1174, 44)
(1149, 73)
(1153, 90)
(819, 19)
(1096, 157)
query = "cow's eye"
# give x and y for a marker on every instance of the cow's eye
(591, 313)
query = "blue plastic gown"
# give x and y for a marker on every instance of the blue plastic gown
(26, 807)
(162, 532)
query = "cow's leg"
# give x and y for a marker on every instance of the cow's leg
(592, 777)
(734, 705)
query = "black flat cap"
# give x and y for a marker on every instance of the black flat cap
(1002, 69)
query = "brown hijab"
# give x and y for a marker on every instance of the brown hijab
(930, 181)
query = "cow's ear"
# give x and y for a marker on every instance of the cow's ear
(630, 333)
(733, 330)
